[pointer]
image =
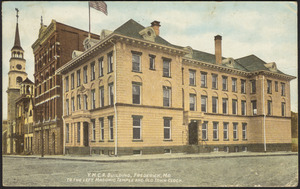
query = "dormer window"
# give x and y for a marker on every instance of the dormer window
(148, 34)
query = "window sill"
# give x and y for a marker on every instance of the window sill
(225, 90)
(110, 140)
(136, 71)
(167, 76)
(234, 91)
(137, 140)
(168, 140)
(235, 139)
(253, 93)
(215, 139)
(152, 69)
(245, 139)
(204, 87)
(100, 76)
(192, 85)
(93, 141)
(225, 139)
(204, 140)
(109, 72)
(101, 140)
(214, 88)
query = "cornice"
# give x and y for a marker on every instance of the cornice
(112, 38)
(236, 71)
(44, 36)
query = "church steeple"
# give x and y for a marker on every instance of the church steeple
(17, 44)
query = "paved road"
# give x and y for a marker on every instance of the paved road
(239, 171)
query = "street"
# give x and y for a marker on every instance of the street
(238, 171)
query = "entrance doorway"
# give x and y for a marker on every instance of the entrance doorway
(193, 133)
(86, 134)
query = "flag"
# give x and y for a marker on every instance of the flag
(99, 5)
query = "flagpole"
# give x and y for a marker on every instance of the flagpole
(89, 20)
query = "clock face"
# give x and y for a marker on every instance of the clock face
(19, 67)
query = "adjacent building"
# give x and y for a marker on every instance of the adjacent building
(51, 50)
(136, 93)
(24, 118)
(16, 75)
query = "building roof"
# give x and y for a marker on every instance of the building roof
(27, 81)
(248, 63)
(253, 63)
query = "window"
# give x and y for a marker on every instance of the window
(78, 131)
(73, 104)
(101, 92)
(92, 71)
(225, 131)
(269, 86)
(204, 130)
(85, 103)
(192, 102)
(225, 105)
(203, 103)
(214, 81)
(100, 64)
(192, 77)
(282, 108)
(215, 131)
(101, 120)
(166, 96)
(216, 149)
(111, 93)
(78, 102)
(167, 128)
(166, 68)
(203, 79)
(254, 108)
(85, 74)
(72, 81)
(244, 148)
(152, 62)
(234, 85)
(235, 131)
(93, 129)
(111, 127)
(226, 149)
(224, 83)
(67, 84)
(244, 131)
(137, 127)
(136, 62)
(234, 106)
(109, 62)
(78, 78)
(136, 93)
(282, 89)
(93, 99)
(269, 107)
(243, 104)
(67, 133)
(67, 107)
(276, 86)
(243, 86)
(215, 104)
(253, 86)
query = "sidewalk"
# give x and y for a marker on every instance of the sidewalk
(106, 159)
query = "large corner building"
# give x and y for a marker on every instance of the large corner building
(132, 92)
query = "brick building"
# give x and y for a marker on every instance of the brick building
(51, 50)
(136, 93)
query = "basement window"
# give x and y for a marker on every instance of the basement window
(167, 151)
(137, 152)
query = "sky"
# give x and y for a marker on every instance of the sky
(265, 29)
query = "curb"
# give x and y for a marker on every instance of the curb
(149, 159)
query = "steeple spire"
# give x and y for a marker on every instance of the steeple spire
(17, 44)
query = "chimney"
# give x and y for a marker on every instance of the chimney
(218, 49)
(155, 25)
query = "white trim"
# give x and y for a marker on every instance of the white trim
(56, 96)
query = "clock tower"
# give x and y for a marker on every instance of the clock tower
(16, 75)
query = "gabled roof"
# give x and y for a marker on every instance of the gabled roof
(27, 81)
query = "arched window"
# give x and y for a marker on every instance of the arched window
(19, 80)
